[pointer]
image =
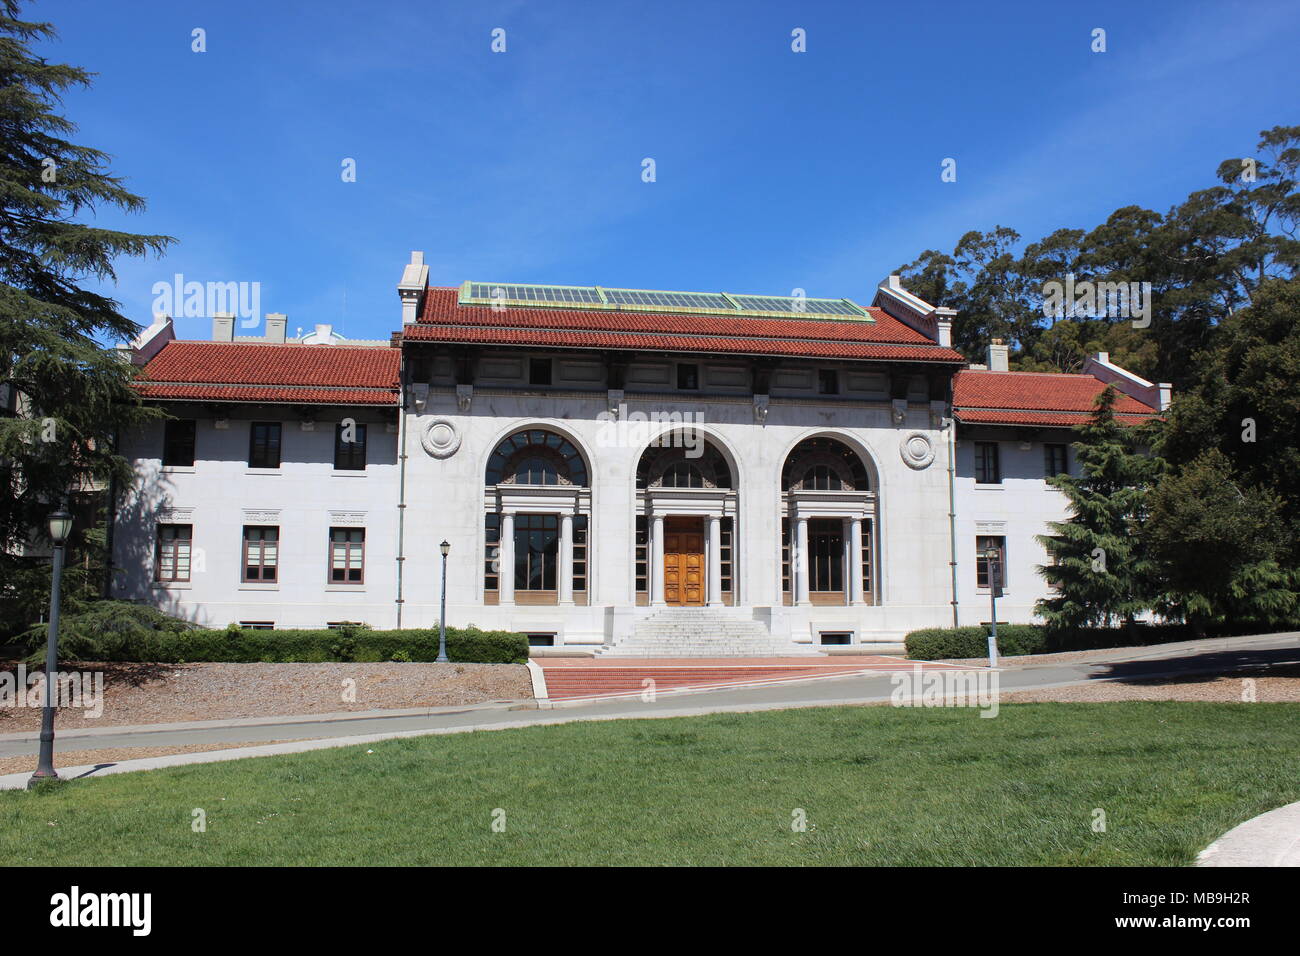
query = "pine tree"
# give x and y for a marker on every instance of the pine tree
(1098, 566)
(67, 392)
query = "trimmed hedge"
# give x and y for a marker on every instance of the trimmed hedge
(464, 645)
(940, 643)
(1014, 640)
(118, 631)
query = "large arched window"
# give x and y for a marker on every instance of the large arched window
(537, 554)
(827, 542)
(536, 457)
(671, 463)
(824, 464)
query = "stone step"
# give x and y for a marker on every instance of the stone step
(703, 632)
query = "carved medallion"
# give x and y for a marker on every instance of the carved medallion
(440, 438)
(916, 450)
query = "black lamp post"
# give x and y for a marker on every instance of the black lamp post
(992, 560)
(60, 527)
(445, 548)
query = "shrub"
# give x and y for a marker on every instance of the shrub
(939, 643)
(122, 631)
(110, 630)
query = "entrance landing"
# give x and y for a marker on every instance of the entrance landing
(574, 678)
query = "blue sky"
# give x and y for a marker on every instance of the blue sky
(775, 170)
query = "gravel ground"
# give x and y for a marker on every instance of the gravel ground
(1281, 685)
(1101, 656)
(79, 758)
(164, 693)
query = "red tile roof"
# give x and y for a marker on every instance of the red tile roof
(443, 319)
(992, 416)
(1036, 398)
(257, 372)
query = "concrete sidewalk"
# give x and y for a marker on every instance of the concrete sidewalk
(1270, 839)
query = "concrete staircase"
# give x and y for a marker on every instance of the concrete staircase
(703, 632)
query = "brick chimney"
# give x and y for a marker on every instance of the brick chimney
(415, 279)
(276, 322)
(223, 327)
(998, 358)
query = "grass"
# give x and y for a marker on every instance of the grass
(879, 786)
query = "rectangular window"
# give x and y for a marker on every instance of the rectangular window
(866, 556)
(347, 555)
(988, 470)
(1056, 460)
(261, 553)
(828, 381)
(688, 375)
(349, 447)
(541, 640)
(539, 371)
(837, 637)
(1053, 562)
(825, 554)
(491, 551)
(725, 546)
(264, 445)
(642, 554)
(785, 555)
(579, 553)
(537, 545)
(257, 625)
(982, 544)
(172, 552)
(178, 443)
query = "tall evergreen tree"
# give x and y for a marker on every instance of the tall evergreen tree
(1098, 566)
(1205, 259)
(70, 391)
(1247, 404)
(1216, 548)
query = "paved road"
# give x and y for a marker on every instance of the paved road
(1229, 654)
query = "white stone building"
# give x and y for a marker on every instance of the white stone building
(617, 470)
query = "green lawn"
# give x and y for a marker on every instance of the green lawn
(880, 786)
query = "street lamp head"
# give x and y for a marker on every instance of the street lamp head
(60, 526)
(445, 548)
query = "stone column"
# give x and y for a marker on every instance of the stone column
(801, 560)
(506, 561)
(656, 568)
(854, 543)
(714, 581)
(566, 559)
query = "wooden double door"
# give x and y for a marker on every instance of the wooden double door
(684, 562)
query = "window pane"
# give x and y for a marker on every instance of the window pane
(349, 455)
(264, 445)
(178, 443)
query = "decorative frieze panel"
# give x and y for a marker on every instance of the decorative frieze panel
(582, 372)
(726, 376)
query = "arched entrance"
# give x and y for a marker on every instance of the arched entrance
(686, 523)
(828, 525)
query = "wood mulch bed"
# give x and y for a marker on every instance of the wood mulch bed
(167, 693)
